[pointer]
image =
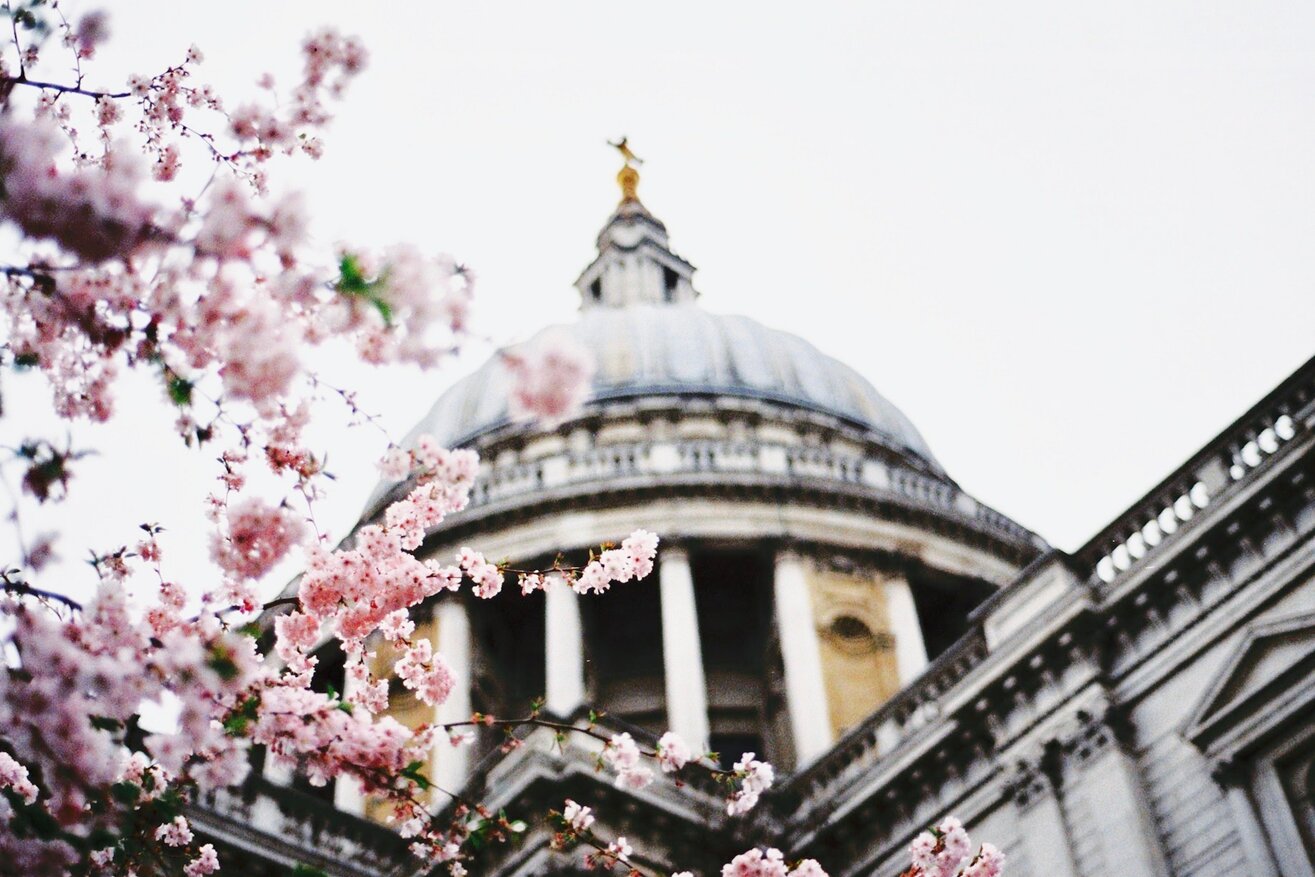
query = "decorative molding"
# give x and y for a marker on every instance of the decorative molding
(1270, 675)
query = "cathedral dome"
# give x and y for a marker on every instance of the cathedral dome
(645, 351)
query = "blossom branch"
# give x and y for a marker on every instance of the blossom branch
(21, 79)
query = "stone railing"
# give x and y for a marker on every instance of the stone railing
(282, 825)
(1224, 465)
(697, 459)
(492, 772)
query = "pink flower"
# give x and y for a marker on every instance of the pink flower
(550, 377)
(94, 213)
(756, 863)
(425, 673)
(258, 537)
(673, 752)
(576, 816)
(395, 465)
(756, 777)
(207, 862)
(623, 754)
(14, 776)
(989, 862)
(174, 834)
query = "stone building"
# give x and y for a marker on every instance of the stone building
(828, 597)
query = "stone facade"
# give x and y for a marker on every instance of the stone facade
(1143, 706)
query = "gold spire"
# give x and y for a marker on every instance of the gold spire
(628, 176)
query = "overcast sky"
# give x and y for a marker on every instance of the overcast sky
(1070, 241)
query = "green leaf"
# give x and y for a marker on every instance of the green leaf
(180, 390)
(351, 281)
(125, 793)
(412, 772)
(301, 870)
(243, 715)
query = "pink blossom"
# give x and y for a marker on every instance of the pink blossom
(531, 582)
(94, 213)
(425, 673)
(206, 862)
(756, 863)
(174, 834)
(673, 752)
(576, 816)
(487, 576)
(14, 776)
(989, 862)
(550, 377)
(395, 465)
(623, 754)
(756, 777)
(258, 537)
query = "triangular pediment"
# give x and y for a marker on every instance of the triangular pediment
(1272, 656)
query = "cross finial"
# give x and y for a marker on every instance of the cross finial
(628, 177)
(623, 147)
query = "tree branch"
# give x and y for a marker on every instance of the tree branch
(22, 79)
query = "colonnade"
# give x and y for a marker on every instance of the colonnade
(685, 681)
(684, 678)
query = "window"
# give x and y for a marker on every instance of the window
(669, 281)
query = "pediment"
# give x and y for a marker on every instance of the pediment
(1267, 667)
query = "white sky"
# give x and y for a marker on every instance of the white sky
(1071, 242)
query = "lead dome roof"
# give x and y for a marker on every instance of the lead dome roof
(644, 351)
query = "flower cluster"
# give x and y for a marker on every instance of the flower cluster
(943, 850)
(66, 717)
(633, 560)
(755, 778)
(258, 537)
(425, 673)
(622, 754)
(94, 213)
(549, 377)
(577, 817)
(769, 863)
(673, 753)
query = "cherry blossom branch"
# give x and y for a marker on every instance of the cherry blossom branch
(21, 79)
(22, 588)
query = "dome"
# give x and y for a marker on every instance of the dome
(644, 351)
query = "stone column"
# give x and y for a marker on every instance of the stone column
(452, 763)
(564, 672)
(682, 654)
(1105, 778)
(805, 690)
(1234, 782)
(910, 650)
(1043, 831)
